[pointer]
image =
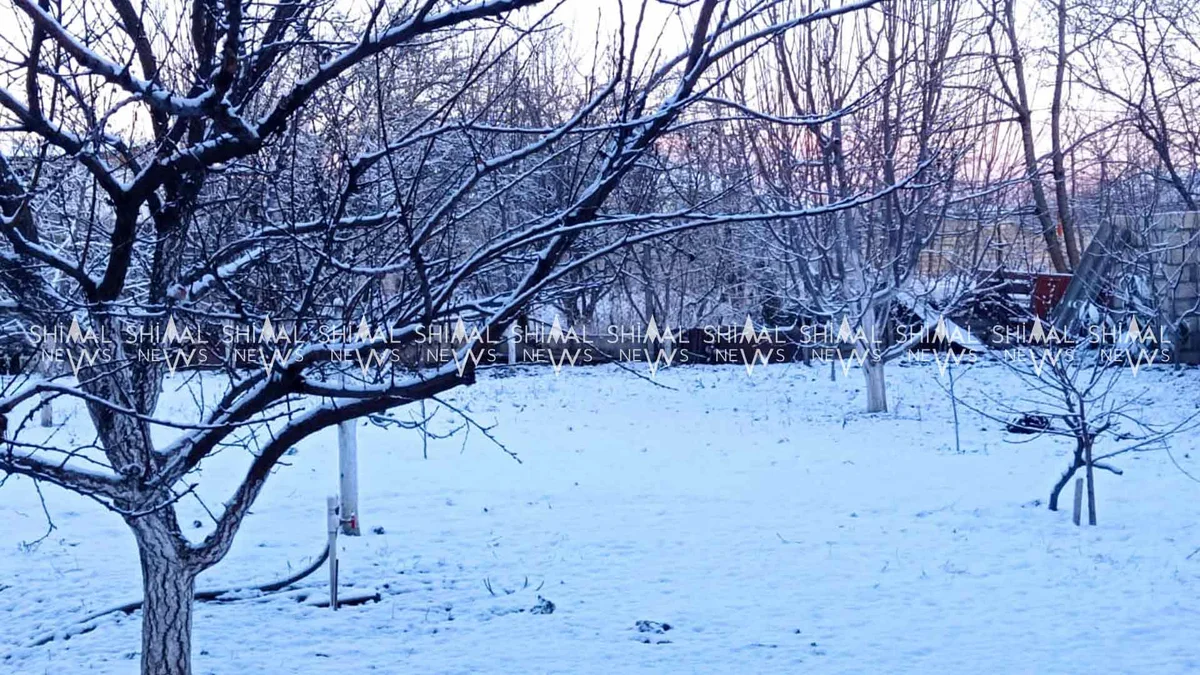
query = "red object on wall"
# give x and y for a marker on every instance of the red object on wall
(1048, 291)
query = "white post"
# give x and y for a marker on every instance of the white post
(333, 522)
(348, 474)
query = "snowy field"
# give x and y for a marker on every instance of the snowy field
(770, 525)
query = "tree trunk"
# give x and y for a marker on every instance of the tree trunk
(876, 385)
(1019, 101)
(348, 476)
(1058, 162)
(47, 417)
(1062, 482)
(168, 587)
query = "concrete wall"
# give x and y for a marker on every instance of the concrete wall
(1174, 245)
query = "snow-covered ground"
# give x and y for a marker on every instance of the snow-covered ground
(774, 528)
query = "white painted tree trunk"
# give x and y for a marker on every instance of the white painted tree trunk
(47, 412)
(348, 476)
(511, 334)
(876, 385)
(874, 323)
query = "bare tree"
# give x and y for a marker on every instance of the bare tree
(1017, 79)
(284, 165)
(1141, 56)
(1080, 385)
(888, 70)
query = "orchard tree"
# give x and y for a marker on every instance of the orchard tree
(902, 130)
(292, 163)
